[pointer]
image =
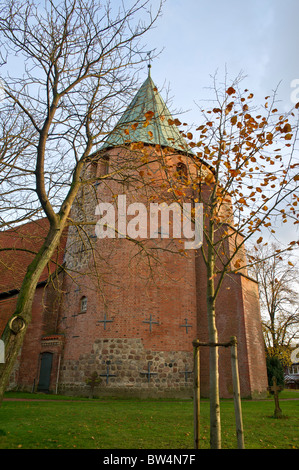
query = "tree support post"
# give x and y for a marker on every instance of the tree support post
(237, 395)
(196, 391)
(236, 388)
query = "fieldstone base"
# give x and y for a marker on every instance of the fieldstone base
(125, 368)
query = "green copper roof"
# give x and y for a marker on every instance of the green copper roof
(147, 120)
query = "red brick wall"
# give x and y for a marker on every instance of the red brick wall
(44, 320)
(27, 370)
(7, 307)
(128, 289)
(254, 337)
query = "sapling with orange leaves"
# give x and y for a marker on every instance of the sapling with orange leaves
(246, 177)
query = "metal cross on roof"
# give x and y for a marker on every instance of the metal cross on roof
(186, 326)
(151, 322)
(149, 373)
(149, 59)
(105, 321)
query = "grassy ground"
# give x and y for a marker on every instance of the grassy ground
(68, 423)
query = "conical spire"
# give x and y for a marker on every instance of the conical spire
(148, 120)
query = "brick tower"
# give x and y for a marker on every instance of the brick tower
(133, 319)
(130, 307)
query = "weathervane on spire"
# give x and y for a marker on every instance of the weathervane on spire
(149, 61)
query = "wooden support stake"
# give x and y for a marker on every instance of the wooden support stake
(237, 396)
(196, 398)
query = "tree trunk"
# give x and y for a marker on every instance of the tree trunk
(215, 423)
(15, 330)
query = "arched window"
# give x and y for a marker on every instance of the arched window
(83, 304)
(182, 173)
(105, 165)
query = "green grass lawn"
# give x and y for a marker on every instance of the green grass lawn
(107, 423)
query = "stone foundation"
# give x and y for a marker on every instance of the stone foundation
(125, 368)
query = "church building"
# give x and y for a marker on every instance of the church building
(118, 313)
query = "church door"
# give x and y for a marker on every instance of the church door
(45, 372)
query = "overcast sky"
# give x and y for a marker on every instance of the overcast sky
(199, 37)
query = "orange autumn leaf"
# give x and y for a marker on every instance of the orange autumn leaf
(259, 240)
(230, 90)
(149, 115)
(209, 179)
(287, 128)
(229, 107)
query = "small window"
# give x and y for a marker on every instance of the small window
(83, 305)
(182, 172)
(105, 166)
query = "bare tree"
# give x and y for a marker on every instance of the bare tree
(278, 288)
(76, 62)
